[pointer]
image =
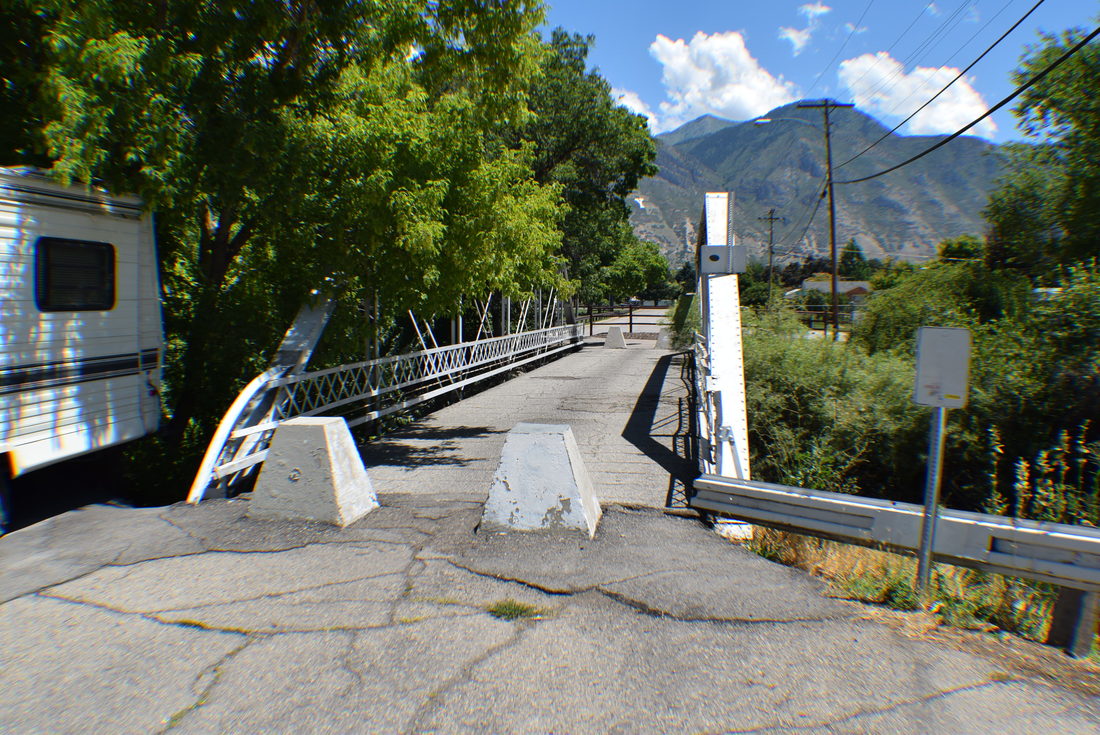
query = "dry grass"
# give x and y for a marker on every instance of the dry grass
(959, 597)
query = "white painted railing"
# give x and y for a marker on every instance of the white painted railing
(359, 392)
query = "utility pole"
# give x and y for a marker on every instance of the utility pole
(825, 105)
(771, 219)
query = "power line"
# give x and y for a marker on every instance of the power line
(806, 212)
(809, 222)
(922, 48)
(946, 87)
(988, 112)
(957, 51)
(817, 79)
(895, 43)
(840, 50)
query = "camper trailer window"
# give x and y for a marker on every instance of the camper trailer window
(74, 275)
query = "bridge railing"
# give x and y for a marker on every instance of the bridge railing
(706, 410)
(359, 392)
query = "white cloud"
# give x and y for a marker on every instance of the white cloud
(879, 84)
(715, 74)
(813, 10)
(853, 28)
(631, 101)
(799, 37)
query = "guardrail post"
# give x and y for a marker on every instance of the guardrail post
(931, 500)
(630, 310)
(1073, 622)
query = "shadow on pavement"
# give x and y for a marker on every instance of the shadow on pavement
(423, 446)
(643, 427)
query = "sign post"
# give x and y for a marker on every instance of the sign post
(943, 372)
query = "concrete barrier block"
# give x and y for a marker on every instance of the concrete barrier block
(541, 484)
(313, 472)
(614, 338)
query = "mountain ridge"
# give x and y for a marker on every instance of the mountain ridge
(781, 164)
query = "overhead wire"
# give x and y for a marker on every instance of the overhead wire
(956, 52)
(945, 87)
(790, 143)
(807, 212)
(1015, 93)
(918, 53)
(810, 221)
(840, 50)
(896, 41)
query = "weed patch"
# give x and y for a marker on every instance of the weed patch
(509, 609)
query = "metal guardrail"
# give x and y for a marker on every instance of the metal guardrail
(1051, 552)
(359, 392)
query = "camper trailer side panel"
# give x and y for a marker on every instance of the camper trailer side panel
(73, 380)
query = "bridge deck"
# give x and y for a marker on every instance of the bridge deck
(622, 405)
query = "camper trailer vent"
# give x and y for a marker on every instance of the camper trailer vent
(74, 275)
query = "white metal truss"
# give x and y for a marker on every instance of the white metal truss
(360, 392)
(724, 450)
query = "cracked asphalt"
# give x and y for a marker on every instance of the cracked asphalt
(197, 619)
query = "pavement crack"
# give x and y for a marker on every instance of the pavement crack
(347, 665)
(214, 673)
(647, 609)
(197, 539)
(545, 589)
(640, 605)
(272, 595)
(412, 570)
(870, 712)
(568, 592)
(187, 624)
(435, 696)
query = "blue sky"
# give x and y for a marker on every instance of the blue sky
(674, 60)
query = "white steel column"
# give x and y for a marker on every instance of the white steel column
(721, 316)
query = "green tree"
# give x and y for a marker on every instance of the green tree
(1046, 212)
(22, 54)
(964, 247)
(941, 294)
(753, 285)
(794, 273)
(638, 266)
(686, 277)
(596, 150)
(853, 265)
(226, 117)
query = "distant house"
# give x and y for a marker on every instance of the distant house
(855, 290)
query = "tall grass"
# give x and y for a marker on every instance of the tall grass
(960, 597)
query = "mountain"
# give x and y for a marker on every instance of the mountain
(782, 165)
(697, 128)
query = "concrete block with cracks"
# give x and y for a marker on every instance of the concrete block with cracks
(313, 472)
(541, 484)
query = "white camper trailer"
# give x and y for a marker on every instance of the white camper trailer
(81, 340)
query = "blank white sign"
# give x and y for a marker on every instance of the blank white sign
(943, 367)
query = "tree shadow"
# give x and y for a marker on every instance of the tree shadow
(424, 446)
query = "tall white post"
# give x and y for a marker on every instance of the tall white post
(720, 303)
